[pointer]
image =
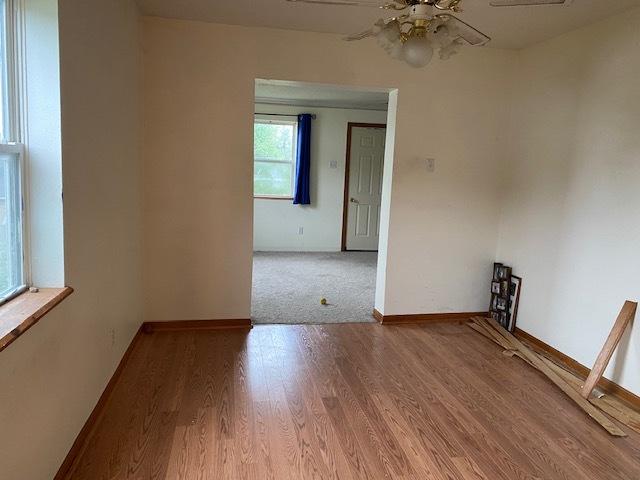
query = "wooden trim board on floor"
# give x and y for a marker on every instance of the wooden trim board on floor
(532, 357)
(606, 385)
(626, 316)
(425, 317)
(178, 325)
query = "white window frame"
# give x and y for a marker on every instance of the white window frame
(277, 120)
(13, 136)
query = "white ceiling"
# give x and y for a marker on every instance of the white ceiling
(510, 27)
(317, 95)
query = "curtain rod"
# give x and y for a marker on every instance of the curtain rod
(283, 115)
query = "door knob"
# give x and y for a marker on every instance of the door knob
(353, 200)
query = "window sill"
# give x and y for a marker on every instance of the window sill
(265, 197)
(23, 312)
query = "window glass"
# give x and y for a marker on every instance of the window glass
(274, 158)
(11, 262)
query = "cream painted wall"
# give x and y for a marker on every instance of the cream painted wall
(276, 222)
(571, 223)
(53, 375)
(198, 100)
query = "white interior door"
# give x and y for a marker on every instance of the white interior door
(365, 188)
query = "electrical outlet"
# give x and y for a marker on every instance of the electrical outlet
(431, 165)
(300, 230)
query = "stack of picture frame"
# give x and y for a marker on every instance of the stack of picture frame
(505, 296)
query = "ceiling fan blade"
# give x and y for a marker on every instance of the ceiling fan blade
(375, 30)
(527, 3)
(359, 36)
(345, 3)
(463, 30)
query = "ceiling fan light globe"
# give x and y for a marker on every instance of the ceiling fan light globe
(417, 51)
(450, 50)
(388, 46)
(441, 36)
(397, 51)
(389, 33)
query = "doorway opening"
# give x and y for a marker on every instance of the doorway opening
(319, 163)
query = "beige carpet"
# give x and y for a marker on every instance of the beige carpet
(288, 287)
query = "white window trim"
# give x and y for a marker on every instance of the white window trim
(280, 120)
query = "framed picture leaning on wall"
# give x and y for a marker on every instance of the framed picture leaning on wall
(501, 294)
(514, 300)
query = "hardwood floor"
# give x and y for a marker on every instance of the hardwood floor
(349, 401)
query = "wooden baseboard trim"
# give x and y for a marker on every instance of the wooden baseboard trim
(82, 440)
(179, 325)
(576, 367)
(425, 317)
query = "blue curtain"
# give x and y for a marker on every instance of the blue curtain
(303, 161)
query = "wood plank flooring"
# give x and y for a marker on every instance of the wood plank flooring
(349, 401)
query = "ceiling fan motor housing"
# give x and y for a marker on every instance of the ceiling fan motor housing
(420, 15)
(421, 11)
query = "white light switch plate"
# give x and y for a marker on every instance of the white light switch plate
(333, 164)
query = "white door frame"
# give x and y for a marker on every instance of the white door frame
(345, 204)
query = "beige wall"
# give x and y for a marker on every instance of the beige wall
(276, 222)
(53, 375)
(198, 100)
(571, 225)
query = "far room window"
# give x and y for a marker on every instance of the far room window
(274, 153)
(12, 265)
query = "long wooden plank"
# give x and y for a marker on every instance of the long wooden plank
(484, 333)
(588, 408)
(625, 316)
(609, 405)
(495, 336)
(605, 386)
(618, 410)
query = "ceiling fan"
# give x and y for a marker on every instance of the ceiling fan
(426, 26)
